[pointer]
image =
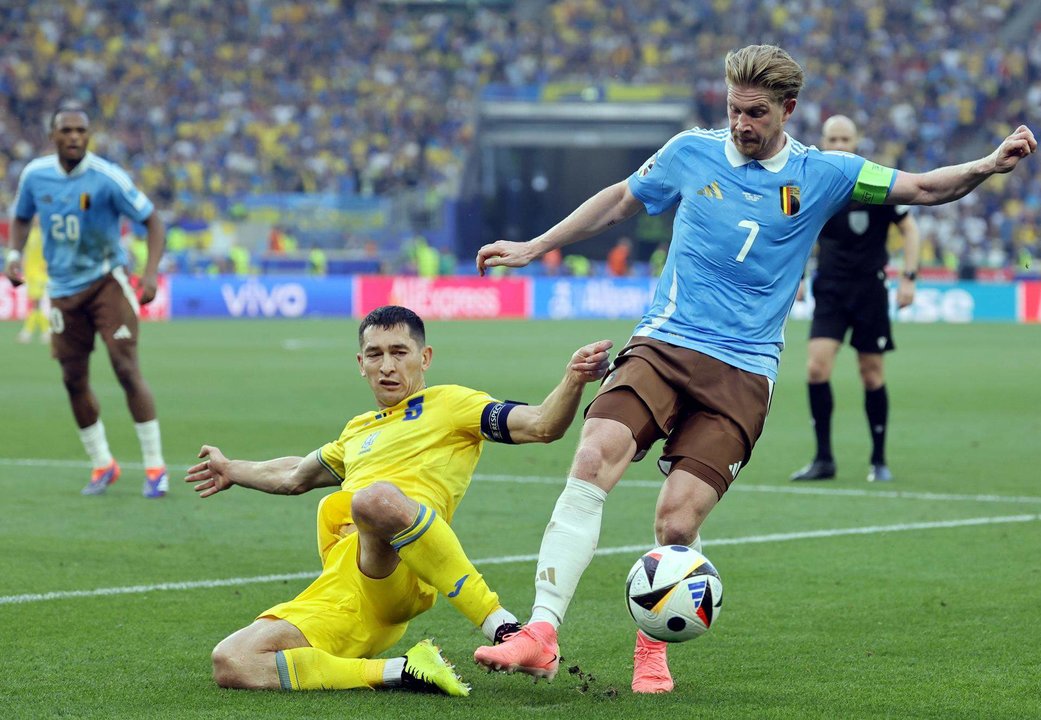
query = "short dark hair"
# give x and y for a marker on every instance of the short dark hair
(389, 316)
(68, 109)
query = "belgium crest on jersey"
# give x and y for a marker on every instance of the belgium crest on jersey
(790, 199)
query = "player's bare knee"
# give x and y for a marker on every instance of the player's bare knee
(591, 458)
(676, 528)
(381, 506)
(818, 371)
(227, 666)
(872, 377)
(126, 373)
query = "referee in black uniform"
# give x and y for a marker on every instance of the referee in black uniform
(850, 291)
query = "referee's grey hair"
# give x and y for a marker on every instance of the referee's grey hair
(765, 66)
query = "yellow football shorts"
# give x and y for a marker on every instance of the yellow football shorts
(343, 611)
(35, 286)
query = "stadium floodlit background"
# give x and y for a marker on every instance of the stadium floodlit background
(313, 160)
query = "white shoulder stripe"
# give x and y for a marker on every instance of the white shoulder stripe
(717, 135)
(112, 171)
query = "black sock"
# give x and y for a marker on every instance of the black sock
(821, 404)
(876, 405)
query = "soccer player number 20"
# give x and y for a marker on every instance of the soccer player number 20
(65, 227)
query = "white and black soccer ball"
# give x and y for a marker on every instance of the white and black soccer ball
(674, 593)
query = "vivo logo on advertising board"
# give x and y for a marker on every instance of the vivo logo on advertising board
(253, 299)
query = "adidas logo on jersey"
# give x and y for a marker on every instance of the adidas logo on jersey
(123, 333)
(711, 191)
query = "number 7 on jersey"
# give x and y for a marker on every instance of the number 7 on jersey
(753, 230)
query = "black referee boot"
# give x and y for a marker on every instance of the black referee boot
(816, 470)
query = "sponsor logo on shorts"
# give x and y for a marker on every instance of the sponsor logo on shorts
(123, 333)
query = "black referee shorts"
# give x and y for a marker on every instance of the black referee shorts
(861, 304)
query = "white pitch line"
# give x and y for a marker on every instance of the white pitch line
(508, 559)
(634, 483)
(783, 489)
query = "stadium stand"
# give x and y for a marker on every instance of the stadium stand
(211, 103)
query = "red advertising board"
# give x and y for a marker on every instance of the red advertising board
(14, 304)
(446, 297)
(1028, 300)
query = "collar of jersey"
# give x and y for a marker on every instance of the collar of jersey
(774, 164)
(76, 171)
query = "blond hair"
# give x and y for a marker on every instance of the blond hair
(767, 67)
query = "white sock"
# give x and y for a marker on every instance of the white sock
(497, 617)
(151, 446)
(392, 671)
(96, 444)
(567, 548)
(695, 546)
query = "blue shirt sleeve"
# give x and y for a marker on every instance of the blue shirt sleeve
(129, 200)
(25, 204)
(653, 184)
(842, 171)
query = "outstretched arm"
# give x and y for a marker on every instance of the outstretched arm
(281, 476)
(549, 420)
(608, 207)
(946, 184)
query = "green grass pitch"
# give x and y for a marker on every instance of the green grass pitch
(920, 599)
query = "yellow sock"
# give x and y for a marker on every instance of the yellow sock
(308, 668)
(432, 551)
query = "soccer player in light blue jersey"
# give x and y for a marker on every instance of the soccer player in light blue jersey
(700, 368)
(80, 198)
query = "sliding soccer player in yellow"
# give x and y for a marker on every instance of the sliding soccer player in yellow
(36, 289)
(384, 538)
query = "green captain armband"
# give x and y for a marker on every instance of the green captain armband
(873, 183)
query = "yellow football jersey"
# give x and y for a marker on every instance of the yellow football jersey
(33, 264)
(427, 445)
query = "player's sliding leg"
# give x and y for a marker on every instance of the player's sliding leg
(422, 669)
(429, 547)
(273, 654)
(567, 548)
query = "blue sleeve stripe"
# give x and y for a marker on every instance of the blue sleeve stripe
(326, 465)
(424, 519)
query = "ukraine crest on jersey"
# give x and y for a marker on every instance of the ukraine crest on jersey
(743, 232)
(427, 445)
(79, 217)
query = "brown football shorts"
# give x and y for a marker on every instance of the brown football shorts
(108, 307)
(711, 413)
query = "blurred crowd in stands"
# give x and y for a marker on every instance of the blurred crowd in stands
(206, 102)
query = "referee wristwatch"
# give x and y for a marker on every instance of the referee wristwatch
(911, 275)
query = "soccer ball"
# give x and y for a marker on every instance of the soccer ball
(673, 593)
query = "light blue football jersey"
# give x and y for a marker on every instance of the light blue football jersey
(743, 232)
(79, 216)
